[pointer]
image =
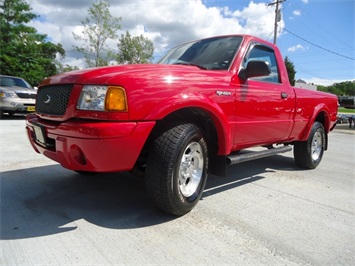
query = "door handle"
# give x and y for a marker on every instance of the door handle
(284, 95)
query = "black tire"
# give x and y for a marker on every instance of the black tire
(176, 172)
(308, 154)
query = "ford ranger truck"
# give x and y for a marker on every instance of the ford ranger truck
(197, 110)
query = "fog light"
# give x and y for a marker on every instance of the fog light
(77, 155)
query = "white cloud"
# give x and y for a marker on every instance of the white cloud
(324, 82)
(305, 1)
(295, 48)
(166, 23)
(257, 19)
(297, 13)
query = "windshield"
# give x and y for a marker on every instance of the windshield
(12, 82)
(214, 53)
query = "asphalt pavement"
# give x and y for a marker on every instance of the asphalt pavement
(265, 212)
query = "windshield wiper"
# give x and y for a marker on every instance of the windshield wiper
(190, 64)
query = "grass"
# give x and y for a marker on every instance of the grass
(346, 111)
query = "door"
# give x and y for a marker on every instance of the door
(264, 106)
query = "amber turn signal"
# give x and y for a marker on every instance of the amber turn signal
(116, 99)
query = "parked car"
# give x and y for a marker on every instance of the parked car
(16, 96)
(342, 118)
(186, 116)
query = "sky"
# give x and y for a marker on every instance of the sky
(318, 36)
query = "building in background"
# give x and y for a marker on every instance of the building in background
(302, 84)
(347, 101)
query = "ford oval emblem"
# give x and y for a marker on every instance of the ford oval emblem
(47, 99)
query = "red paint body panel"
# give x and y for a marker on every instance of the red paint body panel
(309, 104)
(92, 146)
(245, 113)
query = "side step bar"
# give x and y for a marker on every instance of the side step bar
(240, 158)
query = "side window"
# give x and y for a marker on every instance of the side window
(262, 53)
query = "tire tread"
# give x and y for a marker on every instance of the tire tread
(160, 167)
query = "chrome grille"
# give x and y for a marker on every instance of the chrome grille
(23, 95)
(53, 99)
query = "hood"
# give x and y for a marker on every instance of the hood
(103, 75)
(18, 89)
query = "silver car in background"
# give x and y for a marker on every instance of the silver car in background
(16, 96)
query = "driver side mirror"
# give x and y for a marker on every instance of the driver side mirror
(255, 69)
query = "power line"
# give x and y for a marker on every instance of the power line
(319, 26)
(320, 47)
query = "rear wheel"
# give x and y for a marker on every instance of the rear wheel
(176, 170)
(308, 154)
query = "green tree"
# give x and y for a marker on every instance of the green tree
(134, 50)
(66, 68)
(25, 52)
(345, 88)
(99, 27)
(290, 71)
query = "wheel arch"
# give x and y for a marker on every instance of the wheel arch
(195, 108)
(216, 134)
(321, 115)
(189, 108)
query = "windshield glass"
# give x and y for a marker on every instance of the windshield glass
(13, 81)
(214, 53)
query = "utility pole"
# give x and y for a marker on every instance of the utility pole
(277, 16)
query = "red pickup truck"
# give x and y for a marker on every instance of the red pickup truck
(201, 107)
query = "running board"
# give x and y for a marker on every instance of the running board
(240, 158)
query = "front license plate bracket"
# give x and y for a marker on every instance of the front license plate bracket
(40, 135)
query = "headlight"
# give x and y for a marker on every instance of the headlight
(103, 98)
(8, 94)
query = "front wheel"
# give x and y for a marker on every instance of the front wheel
(308, 154)
(176, 172)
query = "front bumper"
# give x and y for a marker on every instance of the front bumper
(17, 105)
(92, 146)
